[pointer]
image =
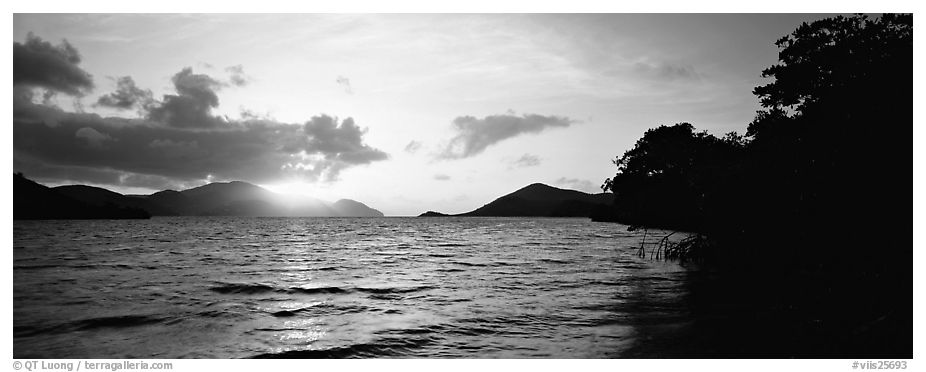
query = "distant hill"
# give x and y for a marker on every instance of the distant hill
(351, 208)
(215, 199)
(169, 200)
(32, 201)
(433, 214)
(97, 196)
(539, 200)
(230, 199)
(244, 199)
(226, 199)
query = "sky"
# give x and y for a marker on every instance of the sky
(403, 112)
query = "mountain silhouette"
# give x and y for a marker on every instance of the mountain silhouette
(539, 200)
(172, 201)
(215, 199)
(353, 208)
(97, 196)
(32, 201)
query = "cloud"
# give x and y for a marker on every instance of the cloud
(38, 63)
(577, 184)
(665, 71)
(238, 78)
(413, 147)
(247, 114)
(475, 135)
(527, 160)
(201, 87)
(93, 137)
(341, 145)
(255, 151)
(656, 71)
(55, 174)
(192, 106)
(345, 82)
(442, 177)
(126, 96)
(178, 142)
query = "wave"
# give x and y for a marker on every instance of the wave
(220, 314)
(34, 267)
(26, 331)
(243, 288)
(456, 329)
(287, 313)
(323, 308)
(556, 261)
(449, 270)
(378, 348)
(487, 264)
(512, 324)
(119, 321)
(258, 288)
(392, 253)
(395, 289)
(318, 290)
(103, 266)
(469, 264)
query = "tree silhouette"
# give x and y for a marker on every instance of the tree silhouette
(671, 175)
(827, 150)
(810, 208)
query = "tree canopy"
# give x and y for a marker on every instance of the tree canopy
(810, 206)
(826, 150)
(670, 174)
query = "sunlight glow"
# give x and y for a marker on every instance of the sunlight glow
(303, 189)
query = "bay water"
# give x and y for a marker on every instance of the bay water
(241, 287)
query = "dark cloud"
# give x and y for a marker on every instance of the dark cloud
(38, 63)
(413, 147)
(178, 143)
(238, 78)
(527, 160)
(201, 87)
(55, 174)
(442, 177)
(192, 106)
(577, 184)
(341, 145)
(255, 151)
(127, 96)
(475, 135)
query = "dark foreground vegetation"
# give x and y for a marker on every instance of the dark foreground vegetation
(803, 220)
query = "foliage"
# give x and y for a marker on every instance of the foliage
(810, 207)
(670, 175)
(824, 154)
(840, 59)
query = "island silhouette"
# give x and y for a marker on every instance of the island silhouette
(32, 200)
(539, 200)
